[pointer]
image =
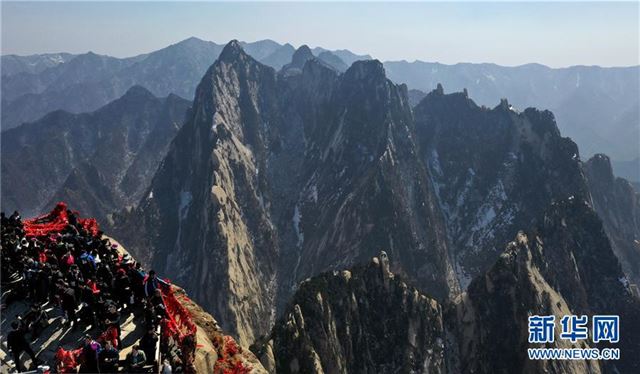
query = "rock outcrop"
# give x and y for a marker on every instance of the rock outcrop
(204, 214)
(564, 267)
(363, 320)
(367, 319)
(489, 322)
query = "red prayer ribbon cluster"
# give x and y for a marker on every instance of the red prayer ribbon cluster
(179, 322)
(56, 221)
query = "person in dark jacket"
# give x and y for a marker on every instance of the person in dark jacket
(90, 351)
(122, 287)
(152, 283)
(148, 345)
(136, 278)
(108, 359)
(17, 343)
(136, 360)
(69, 305)
(36, 320)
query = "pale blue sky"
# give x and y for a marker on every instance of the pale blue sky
(507, 33)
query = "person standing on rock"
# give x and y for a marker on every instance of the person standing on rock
(152, 283)
(69, 305)
(17, 342)
(90, 352)
(148, 345)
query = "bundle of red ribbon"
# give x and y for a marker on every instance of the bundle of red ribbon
(179, 322)
(56, 221)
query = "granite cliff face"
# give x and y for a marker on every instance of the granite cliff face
(564, 266)
(366, 320)
(204, 211)
(276, 177)
(360, 187)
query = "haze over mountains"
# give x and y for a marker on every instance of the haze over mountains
(597, 107)
(271, 196)
(86, 82)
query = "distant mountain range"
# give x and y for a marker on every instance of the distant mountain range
(100, 161)
(81, 83)
(599, 108)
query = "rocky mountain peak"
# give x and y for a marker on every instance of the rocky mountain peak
(543, 122)
(618, 205)
(233, 52)
(301, 55)
(359, 320)
(438, 98)
(366, 70)
(333, 60)
(299, 60)
(192, 39)
(315, 66)
(600, 168)
(495, 309)
(137, 92)
(504, 104)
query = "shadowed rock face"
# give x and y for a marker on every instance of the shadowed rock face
(494, 171)
(618, 205)
(363, 320)
(580, 263)
(565, 267)
(204, 212)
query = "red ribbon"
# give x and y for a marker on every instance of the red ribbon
(55, 221)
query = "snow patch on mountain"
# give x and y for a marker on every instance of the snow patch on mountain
(297, 216)
(463, 277)
(183, 210)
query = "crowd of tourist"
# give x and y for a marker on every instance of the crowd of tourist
(91, 285)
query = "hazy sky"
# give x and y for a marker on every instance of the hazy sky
(555, 34)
